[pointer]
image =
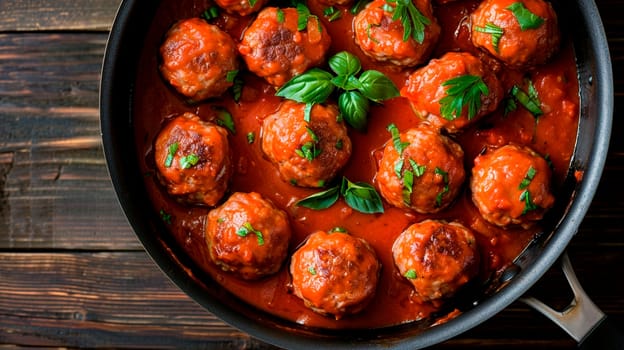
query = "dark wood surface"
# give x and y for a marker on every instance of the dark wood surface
(72, 273)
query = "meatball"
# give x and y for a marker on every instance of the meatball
(196, 59)
(432, 91)
(425, 173)
(275, 49)
(511, 185)
(193, 160)
(248, 236)
(382, 38)
(336, 2)
(307, 154)
(520, 33)
(436, 257)
(241, 7)
(335, 273)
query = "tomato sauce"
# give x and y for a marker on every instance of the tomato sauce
(553, 134)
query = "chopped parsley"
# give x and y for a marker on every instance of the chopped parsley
(246, 229)
(410, 274)
(527, 178)
(494, 30)
(463, 90)
(189, 161)
(446, 189)
(251, 137)
(173, 148)
(526, 18)
(309, 150)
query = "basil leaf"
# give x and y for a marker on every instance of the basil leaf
(361, 197)
(280, 16)
(313, 86)
(346, 82)
(354, 109)
(377, 87)
(303, 13)
(526, 18)
(321, 200)
(171, 151)
(399, 146)
(345, 63)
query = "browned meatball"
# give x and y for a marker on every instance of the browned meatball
(307, 154)
(383, 39)
(248, 236)
(335, 273)
(428, 90)
(436, 257)
(521, 33)
(425, 174)
(193, 160)
(241, 7)
(196, 59)
(275, 49)
(511, 185)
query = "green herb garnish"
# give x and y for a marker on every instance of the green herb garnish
(211, 13)
(171, 151)
(309, 149)
(225, 119)
(359, 195)
(281, 17)
(246, 229)
(231, 75)
(332, 14)
(463, 90)
(252, 3)
(526, 18)
(303, 13)
(496, 32)
(411, 18)
(251, 137)
(338, 229)
(399, 146)
(446, 189)
(527, 178)
(166, 217)
(189, 161)
(410, 274)
(312, 270)
(525, 197)
(316, 85)
(528, 100)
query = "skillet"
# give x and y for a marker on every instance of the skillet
(580, 18)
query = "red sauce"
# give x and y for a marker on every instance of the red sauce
(553, 134)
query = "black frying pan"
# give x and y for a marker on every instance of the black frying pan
(579, 18)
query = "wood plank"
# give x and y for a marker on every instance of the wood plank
(55, 191)
(104, 300)
(37, 15)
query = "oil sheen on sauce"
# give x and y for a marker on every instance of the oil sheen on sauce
(553, 134)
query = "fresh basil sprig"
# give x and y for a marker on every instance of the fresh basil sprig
(526, 18)
(358, 195)
(316, 85)
(463, 90)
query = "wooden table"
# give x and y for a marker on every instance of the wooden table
(73, 274)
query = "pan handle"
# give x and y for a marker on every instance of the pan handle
(582, 319)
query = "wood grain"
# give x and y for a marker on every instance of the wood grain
(38, 15)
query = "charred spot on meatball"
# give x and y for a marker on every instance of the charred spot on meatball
(453, 91)
(306, 153)
(196, 58)
(383, 38)
(275, 48)
(335, 273)
(436, 258)
(420, 169)
(248, 236)
(192, 158)
(511, 186)
(520, 33)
